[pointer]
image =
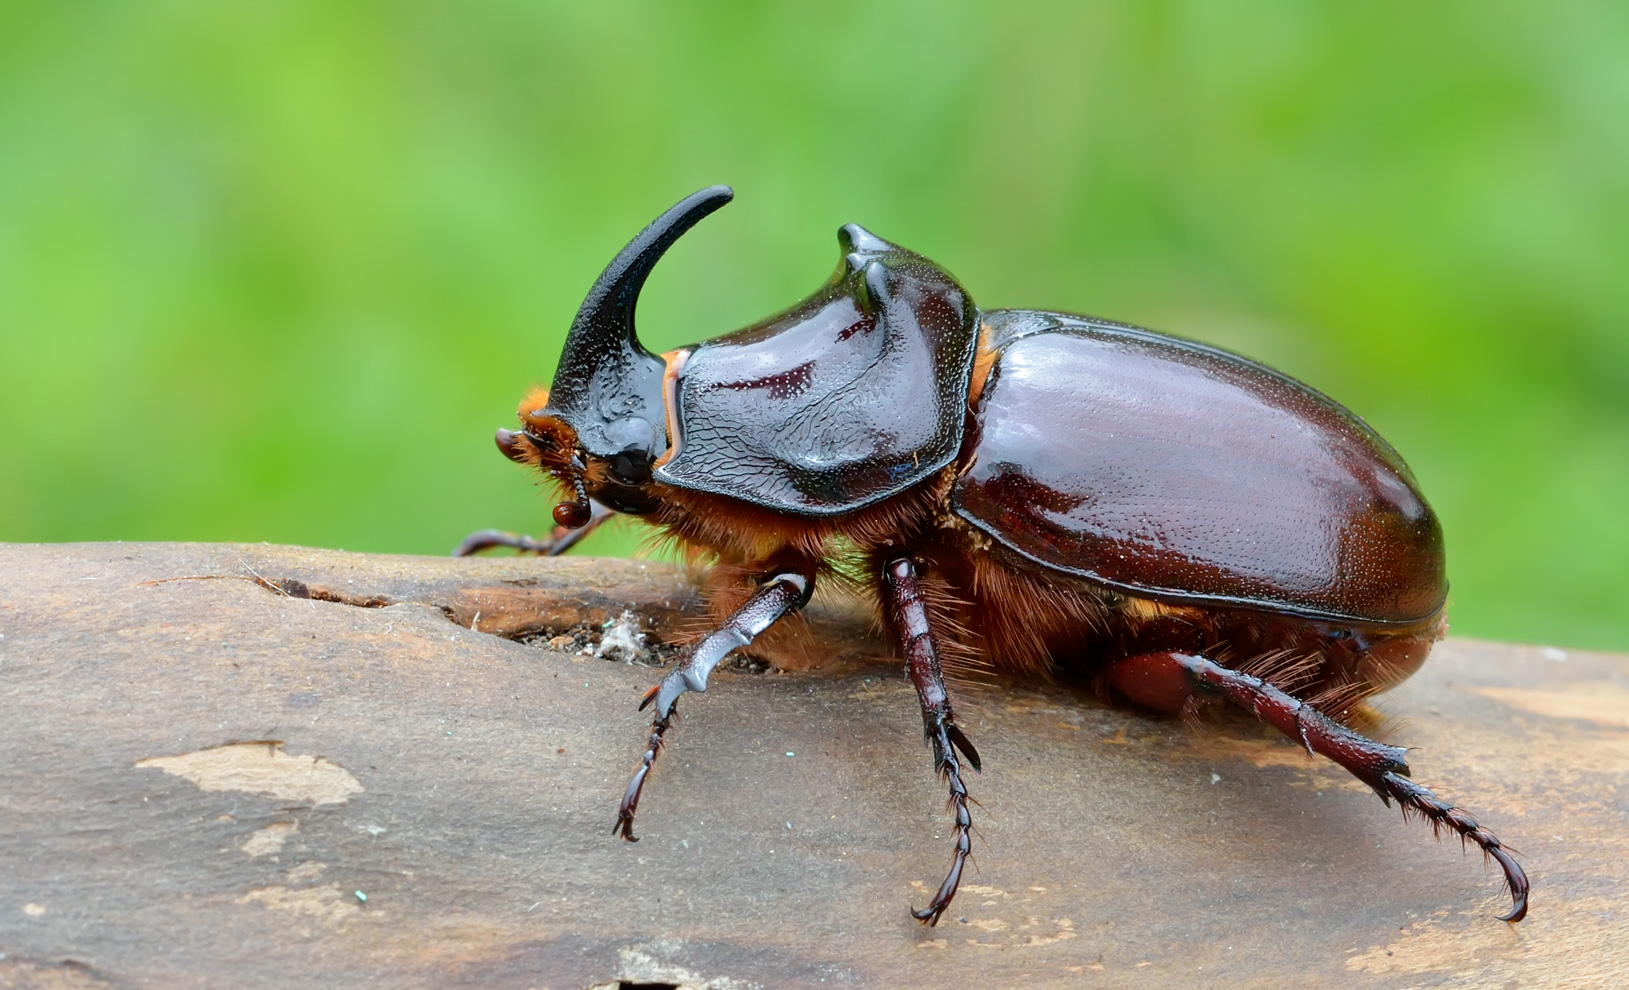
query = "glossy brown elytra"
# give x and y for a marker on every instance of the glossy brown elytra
(1044, 490)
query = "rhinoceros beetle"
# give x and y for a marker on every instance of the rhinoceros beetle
(1047, 491)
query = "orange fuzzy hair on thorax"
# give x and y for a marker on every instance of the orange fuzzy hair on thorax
(551, 442)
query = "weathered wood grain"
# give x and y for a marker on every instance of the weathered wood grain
(210, 754)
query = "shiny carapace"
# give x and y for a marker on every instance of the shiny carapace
(1046, 492)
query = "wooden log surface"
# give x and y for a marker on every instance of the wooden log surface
(262, 766)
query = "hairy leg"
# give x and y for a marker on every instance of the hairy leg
(778, 597)
(1164, 680)
(908, 616)
(560, 539)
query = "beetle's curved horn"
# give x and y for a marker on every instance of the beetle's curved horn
(606, 383)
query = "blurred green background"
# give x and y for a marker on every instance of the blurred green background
(276, 270)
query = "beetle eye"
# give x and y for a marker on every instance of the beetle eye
(631, 467)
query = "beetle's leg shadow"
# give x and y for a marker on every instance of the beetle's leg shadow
(560, 538)
(1157, 679)
(776, 598)
(908, 616)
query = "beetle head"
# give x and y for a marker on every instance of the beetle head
(603, 416)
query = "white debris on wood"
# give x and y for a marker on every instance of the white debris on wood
(641, 967)
(620, 639)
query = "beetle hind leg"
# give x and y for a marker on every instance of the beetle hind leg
(908, 615)
(1159, 679)
(1418, 799)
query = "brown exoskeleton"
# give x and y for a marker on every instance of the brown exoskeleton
(1050, 491)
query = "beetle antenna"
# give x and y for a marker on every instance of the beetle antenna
(578, 511)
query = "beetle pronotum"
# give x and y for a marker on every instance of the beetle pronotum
(1045, 490)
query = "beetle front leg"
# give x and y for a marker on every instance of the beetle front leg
(908, 615)
(780, 596)
(1159, 679)
(561, 538)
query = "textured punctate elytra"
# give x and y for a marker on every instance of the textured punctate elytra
(1037, 490)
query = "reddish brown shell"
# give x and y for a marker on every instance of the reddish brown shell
(1171, 470)
(854, 395)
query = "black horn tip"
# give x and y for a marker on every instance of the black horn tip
(687, 211)
(718, 195)
(612, 298)
(603, 364)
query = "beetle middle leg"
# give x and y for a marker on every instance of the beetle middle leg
(781, 595)
(908, 615)
(1161, 679)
